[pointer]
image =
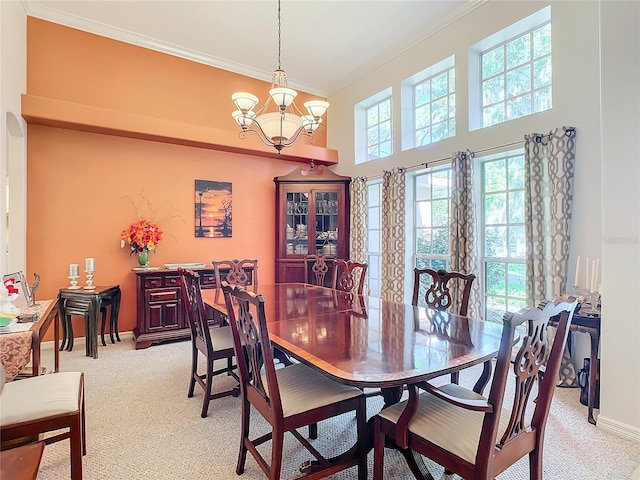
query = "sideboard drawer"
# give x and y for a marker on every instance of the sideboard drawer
(171, 281)
(207, 279)
(165, 295)
(152, 282)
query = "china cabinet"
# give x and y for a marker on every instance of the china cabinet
(312, 217)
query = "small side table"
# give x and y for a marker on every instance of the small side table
(89, 304)
(21, 463)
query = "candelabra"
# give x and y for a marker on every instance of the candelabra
(89, 285)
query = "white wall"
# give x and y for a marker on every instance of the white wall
(13, 81)
(576, 102)
(620, 352)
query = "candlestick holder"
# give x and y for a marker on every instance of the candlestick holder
(74, 282)
(89, 285)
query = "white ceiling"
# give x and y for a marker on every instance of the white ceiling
(326, 44)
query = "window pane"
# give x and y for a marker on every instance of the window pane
(495, 207)
(495, 241)
(496, 306)
(372, 115)
(542, 72)
(516, 207)
(373, 152)
(439, 131)
(423, 116)
(385, 131)
(495, 176)
(374, 266)
(542, 41)
(374, 217)
(440, 242)
(441, 184)
(495, 278)
(452, 128)
(423, 214)
(439, 85)
(542, 100)
(385, 110)
(518, 51)
(517, 246)
(519, 107)
(440, 212)
(374, 241)
(422, 93)
(423, 187)
(492, 62)
(493, 115)
(516, 281)
(423, 263)
(452, 80)
(423, 137)
(373, 191)
(516, 172)
(493, 90)
(518, 81)
(437, 264)
(440, 110)
(372, 135)
(452, 106)
(423, 241)
(385, 149)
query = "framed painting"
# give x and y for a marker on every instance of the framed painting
(212, 209)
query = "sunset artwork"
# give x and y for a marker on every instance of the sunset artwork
(212, 209)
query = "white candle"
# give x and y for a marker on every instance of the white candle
(597, 274)
(587, 280)
(89, 264)
(73, 270)
(593, 276)
(577, 280)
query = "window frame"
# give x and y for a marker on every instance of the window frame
(362, 127)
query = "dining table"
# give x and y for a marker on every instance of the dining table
(369, 342)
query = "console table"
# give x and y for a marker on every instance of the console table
(160, 309)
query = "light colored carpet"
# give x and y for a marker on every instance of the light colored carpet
(141, 425)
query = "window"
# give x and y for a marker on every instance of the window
(503, 251)
(431, 219)
(432, 100)
(374, 127)
(374, 237)
(514, 72)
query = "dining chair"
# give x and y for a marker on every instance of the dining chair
(444, 290)
(317, 267)
(214, 342)
(45, 403)
(349, 276)
(287, 398)
(477, 437)
(239, 272)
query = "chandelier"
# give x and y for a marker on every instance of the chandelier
(279, 122)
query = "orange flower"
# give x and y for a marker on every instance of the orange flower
(141, 235)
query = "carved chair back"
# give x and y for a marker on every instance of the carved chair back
(249, 327)
(240, 272)
(349, 276)
(195, 309)
(445, 290)
(316, 268)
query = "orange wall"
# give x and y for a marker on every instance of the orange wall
(82, 187)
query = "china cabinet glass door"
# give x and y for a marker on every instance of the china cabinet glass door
(297, 216)
(326, 224)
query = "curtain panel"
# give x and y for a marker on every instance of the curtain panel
(358, 220)
(463, 247)
(549, 162)
(393, 235)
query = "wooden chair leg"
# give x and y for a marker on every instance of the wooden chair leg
(361, 422)
(75, 440)
(378, 451)
(244, 437)
(194, 371)
(208, 388)
(313, 431)
(535, 464)
(277, 444)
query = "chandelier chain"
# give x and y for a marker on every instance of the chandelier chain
(279, 37)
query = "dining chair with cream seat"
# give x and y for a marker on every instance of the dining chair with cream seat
(349, 276)
(287, 398)
(447, 291)
(239, 272)
(477, 437)
(46, 403)
(214, 342)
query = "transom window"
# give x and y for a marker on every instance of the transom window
(379, 130)
(504, 246)
(510, 73)
(434, 107)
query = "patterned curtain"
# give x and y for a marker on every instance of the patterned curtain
(462, 228)
(358, 230)
(549, 162)
(393, 235)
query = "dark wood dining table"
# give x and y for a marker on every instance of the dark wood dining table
(369, 342)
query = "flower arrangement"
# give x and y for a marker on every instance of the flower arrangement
(142, 235)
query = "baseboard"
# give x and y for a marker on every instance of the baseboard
(82, 340)
(621, 429)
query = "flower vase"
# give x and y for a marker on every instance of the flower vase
(143, 258)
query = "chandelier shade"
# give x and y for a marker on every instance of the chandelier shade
(279, 122)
